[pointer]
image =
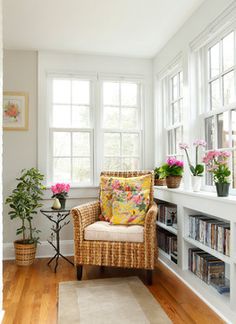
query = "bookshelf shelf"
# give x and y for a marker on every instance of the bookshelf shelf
(213, 252)
(163, 253)
(170, 229)
(188, 204)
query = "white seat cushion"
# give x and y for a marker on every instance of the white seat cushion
(104, 231)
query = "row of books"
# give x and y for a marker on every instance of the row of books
(211, 232)
(209, 269)
(167, 241)
(167, 214)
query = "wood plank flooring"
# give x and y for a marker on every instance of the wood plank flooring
(30, 293)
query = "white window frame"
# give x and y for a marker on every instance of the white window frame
(139, 131)
(204, 92)
(44, 119)
(165, 77)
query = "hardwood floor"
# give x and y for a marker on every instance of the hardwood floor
(30, 293)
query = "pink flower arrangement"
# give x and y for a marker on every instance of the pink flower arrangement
(60, 190)
(217, 164)
(172, 167)
(198, 169)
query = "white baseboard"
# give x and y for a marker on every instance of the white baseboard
(44, 249)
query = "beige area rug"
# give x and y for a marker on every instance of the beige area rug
(108, 301)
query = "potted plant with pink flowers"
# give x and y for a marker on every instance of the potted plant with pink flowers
(217, 164)
(173, 170)
(197, 168)
(60, 191)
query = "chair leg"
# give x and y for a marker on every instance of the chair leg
(149, 277)
(79, 272)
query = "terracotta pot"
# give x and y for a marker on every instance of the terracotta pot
(25, 253)
(222, 189)
(160, 182)
(173, 181)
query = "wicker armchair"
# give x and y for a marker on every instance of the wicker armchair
(118, 254)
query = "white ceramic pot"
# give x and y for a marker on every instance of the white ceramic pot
(196, 183)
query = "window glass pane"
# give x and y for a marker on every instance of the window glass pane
(233, 118)
(129, 118)
(181, 84)
(228, 51)
(130, 164)
(215, 94)
(81, 144)
(80, 92)
(61, 144)
(130, 144)
(176, 113)
(178, 138)
(129, 94)
(61, 116)
(81, 170)
(111, 144)
(80, 116)
(112, 163)
(61, 169)
(171, 141)
(61, 91)
(209, 179)
(174, 85)
(111, 93)
(229, 91)
(111, 117)
(223, 130)
(214, 53)
(209, 132)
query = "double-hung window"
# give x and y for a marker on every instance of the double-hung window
(219, 118)
(121, 125)
(172, 105)
(71, 131)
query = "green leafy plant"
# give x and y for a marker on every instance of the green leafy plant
(24, 202)
(172, 167)
(158, 173)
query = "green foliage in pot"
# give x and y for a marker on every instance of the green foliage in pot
(159, 173)
(24, 202)
(173, 167)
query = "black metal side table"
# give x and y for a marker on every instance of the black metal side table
(56, 217)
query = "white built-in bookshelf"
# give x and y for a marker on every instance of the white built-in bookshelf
(207, 204)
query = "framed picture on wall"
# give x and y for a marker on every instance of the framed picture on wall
(15, 111)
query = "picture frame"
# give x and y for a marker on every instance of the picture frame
(15, 111)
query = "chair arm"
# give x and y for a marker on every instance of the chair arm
(83, 216)
(150, 224)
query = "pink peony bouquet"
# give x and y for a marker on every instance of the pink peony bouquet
(172, 167)
(217, 164)
(60, 190)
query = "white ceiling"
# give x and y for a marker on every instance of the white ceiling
(137, 28)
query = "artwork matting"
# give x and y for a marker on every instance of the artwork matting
(15, 111)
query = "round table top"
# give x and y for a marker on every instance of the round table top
(51, 210)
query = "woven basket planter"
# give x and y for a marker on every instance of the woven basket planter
(25, 253)
(160, 182)
(173, 181)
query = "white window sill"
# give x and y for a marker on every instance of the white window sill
(88, 192)
(201, 194)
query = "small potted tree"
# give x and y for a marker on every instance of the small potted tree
(24, 202)
(159, 177)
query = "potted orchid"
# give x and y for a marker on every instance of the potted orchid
(197, 168)
(217, 164)
(60, 191)
(173, 170)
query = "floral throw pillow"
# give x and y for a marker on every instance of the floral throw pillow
(109, 184)
(129, 207)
